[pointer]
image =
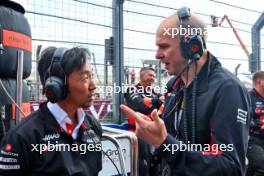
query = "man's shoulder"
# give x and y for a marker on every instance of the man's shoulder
(28, 126)
(252, 92)
(219, 74)
(255, 97)
(225, 78)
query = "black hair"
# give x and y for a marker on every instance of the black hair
(73, 59)
(44, 62)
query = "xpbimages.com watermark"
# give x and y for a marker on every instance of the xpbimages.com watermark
(206, 148)
(183, 31)
(124, 88)
(81, 148)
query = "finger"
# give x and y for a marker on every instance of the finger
(135, 115)
(154, 115)
(161, 109)
(144, 116)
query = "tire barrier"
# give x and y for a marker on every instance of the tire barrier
(7, 108)
(15, 35)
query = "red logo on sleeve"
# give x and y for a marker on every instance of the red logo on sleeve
(8, 148)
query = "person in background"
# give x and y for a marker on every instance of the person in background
(143, 98)
(255, 152)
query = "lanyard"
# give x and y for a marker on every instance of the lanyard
(178, 114)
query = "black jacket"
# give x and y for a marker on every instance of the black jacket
(20, 149)
(135, 99)
(222, 117)
(256, 133)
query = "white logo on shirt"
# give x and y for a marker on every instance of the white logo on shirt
(51, 136)
(241, 116)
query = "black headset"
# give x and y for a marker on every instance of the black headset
(192, 46)
(55, 86)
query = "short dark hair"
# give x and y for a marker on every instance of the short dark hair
(44, 62)
(257, 75)
(73, 59)
(146, 68)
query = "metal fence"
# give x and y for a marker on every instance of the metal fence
(88, 23)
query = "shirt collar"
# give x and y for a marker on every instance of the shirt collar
(62, 118)
(59, 114)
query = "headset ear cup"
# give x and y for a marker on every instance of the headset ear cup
(184, 48)
(54, 89)
(196, 47)
(192, 47)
